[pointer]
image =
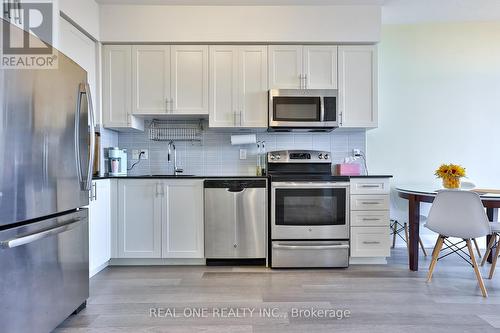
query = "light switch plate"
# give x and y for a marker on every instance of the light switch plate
(145, 156)
(243, 154)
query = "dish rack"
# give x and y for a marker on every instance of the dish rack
(174, 130)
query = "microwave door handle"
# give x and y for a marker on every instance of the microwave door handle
(322, 109)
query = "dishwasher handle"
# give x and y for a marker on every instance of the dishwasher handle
(235, 189)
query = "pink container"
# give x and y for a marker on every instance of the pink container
(351, 169)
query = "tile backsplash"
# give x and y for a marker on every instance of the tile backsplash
(215, 156)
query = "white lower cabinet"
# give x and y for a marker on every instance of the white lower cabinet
(182, 219)
(99, 226)
(160, 218)
(369, 218)
(139, 219)
(370, 242)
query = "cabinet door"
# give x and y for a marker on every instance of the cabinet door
(189, 79)
(82, 50)
(117, 85)
(139, 219)
(151, 79)
(223, 110)
(252, 83)
(285, 67)
(358, 86)
(320, 67)
(182, 235)
(99, 226)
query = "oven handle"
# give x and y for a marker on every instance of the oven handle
(278, 185)
(310, 247)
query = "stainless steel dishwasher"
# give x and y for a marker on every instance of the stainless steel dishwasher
(235, 218)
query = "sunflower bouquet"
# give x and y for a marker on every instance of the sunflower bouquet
(451, 174)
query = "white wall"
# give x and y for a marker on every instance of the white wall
(439, 101)
(85, 13)
(240, 23)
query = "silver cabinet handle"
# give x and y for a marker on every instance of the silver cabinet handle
(371, 219)
(310, 247)
(305, 81)
(371, 243)
(370, 203)
(370, 186)
(95, 191)
(240, 118)
(9, 244)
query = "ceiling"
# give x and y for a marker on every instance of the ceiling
(393, 11)
(244, 2)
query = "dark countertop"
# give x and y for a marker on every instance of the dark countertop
(212, 177)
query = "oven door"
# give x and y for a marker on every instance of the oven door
(303, 108)
(309, 210)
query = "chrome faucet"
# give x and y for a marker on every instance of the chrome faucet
(171, 146)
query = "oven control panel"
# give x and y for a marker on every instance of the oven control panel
(299, 156)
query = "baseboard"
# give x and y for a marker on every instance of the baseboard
(368, 261)
(155, 262)
(97, 269)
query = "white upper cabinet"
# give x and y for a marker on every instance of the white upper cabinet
(358, 86)
(139, 219)
(189, 79)
(301, 67)
(223, 86)
(320, 67)
(117, 88)
(285, 66)
(183, 228)
(238, 86)
(151, 79)
(82, 50)
(253, 91)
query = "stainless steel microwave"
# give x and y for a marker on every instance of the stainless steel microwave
(303, 109)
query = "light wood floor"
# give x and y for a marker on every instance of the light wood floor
(386, 298)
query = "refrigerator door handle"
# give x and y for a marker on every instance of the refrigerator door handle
(92, 137)
(12, 243)
(78, 158)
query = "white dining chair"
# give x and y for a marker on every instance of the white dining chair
(493, 244)
(458, 214)
(470, 185)
(399, 224)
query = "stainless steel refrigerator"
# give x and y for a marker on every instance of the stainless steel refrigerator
(46, 140)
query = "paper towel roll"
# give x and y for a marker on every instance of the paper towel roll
(243, 139)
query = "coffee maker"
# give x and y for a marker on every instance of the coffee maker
(117, 161)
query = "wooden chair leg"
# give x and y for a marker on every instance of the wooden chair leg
(435, 255)
(422, 246)
(494, 262)
(407, 237)
(476, 268)
(489, 248)
(477, 247)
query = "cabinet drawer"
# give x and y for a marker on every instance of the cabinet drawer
(360, 218)
(369, 202)
(370, 186)
(370, 242)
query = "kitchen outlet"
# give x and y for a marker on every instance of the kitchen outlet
(136, 152)
(243, 154)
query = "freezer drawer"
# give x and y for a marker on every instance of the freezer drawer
(44, 272)
(302, 254)
(235, 219)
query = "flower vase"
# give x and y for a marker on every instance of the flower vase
(451, 182)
